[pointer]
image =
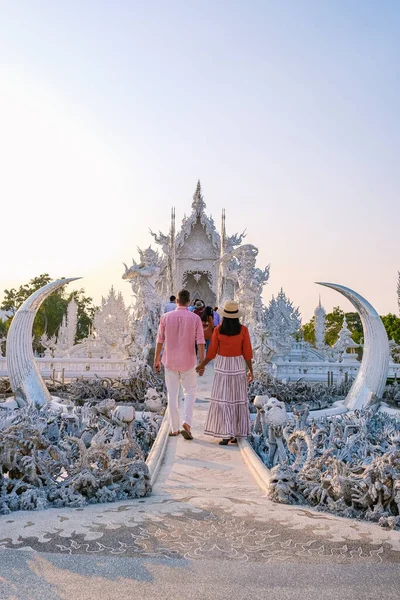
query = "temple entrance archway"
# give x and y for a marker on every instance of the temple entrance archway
(199, 284)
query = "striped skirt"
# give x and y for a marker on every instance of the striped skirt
(228, 415)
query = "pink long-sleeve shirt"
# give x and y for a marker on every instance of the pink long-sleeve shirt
(179, 330)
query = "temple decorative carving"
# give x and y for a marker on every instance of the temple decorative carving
(213, 266)
(210, 264)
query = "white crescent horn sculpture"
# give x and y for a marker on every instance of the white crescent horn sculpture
(372, 374)
(25, 379)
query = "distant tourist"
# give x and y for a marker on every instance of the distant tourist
(217, 318)
(199, 307)
(207, 319)
(171, 305)
(228, 416)
(180, 330)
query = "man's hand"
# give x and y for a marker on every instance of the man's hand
(200, 370)
(157, 366)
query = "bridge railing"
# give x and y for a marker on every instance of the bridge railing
(70, 368)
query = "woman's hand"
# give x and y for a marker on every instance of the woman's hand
(200, 369)
(250, 377)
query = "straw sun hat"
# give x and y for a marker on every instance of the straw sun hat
(231, 310)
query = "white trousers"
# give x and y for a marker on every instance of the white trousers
(173, 379)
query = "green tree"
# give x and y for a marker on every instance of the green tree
(308, 330)
(86, 312)
(3, 333)
(355, 326)
(392, 326)
(334, 323)
(49, 316)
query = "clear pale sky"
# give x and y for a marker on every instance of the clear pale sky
(287, 111)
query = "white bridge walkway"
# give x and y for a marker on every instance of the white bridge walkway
(207, 532)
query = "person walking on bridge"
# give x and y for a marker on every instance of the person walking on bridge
(228, 416)
(171, 305)
(179, 332)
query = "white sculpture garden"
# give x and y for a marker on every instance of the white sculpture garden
(88, 447)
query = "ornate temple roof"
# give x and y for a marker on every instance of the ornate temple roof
(198, 214)
(198, 204)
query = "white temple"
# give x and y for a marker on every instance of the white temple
(198, 257)
(214, 267)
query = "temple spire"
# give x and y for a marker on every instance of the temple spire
(198, 203)
(223, 232)
(171, 253)
(172, 226)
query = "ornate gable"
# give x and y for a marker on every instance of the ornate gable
(196, 223)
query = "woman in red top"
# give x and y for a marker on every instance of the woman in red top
(228, 416)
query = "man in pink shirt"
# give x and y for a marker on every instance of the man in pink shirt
(178, 332)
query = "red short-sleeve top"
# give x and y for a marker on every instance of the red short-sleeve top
(230, 345)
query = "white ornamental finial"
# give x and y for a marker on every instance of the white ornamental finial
(198, 203)
(320, 325)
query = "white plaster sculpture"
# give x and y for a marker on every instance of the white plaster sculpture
(251, 281)
(25, 379)
(371, 378)
(153, 400)
(147, 308)
(274, 335)
(67, 330)
(394, 351)
(282, 320)
(348, 465)
(49, 344)
(275, 418)
(228, 263)
(53, 453)
(344, 342)
(259, 402)
(320, 326)
(143, 277)
(112, 325)
(165, 284)
(263, 350)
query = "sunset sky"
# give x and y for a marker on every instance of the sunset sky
(288, 113)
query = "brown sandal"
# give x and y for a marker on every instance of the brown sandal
(172, 434)
(186, 433)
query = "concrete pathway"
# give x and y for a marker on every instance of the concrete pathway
(207, 532)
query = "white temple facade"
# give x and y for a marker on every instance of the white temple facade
(214, 267)
(198, 257)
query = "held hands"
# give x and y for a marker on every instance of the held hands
(200, 370)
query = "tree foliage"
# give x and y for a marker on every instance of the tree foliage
(51, 312)
(308, 331)
(334, 323)
(392, 326)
